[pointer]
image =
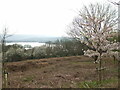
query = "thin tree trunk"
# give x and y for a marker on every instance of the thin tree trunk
(3, 76)
(118, 74)
(4, 82)
(100, 72)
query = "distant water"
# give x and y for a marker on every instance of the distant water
(32, 44)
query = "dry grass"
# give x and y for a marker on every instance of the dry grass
(63, 72)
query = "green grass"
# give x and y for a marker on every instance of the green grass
(96, 84)
(28, 78)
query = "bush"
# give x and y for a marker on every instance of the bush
(39, 52)
(14, 54)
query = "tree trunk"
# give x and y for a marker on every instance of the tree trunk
(119, 74)
(4, 83)
(3, 69)
(100, 69)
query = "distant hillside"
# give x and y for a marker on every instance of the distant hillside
(31, 38)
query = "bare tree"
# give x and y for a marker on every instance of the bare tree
(93, 26)
(114, 2)
(3, 37)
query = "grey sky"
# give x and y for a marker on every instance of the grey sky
(41, 17)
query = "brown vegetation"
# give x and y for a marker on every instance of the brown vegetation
(63, 72)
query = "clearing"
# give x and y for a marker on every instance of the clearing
(62, 72)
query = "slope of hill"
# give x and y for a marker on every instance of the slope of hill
(63, 72)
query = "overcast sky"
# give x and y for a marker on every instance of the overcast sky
(40, 17)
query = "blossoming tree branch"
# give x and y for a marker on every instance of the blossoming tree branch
(95, 26)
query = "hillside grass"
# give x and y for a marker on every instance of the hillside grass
(63, 72)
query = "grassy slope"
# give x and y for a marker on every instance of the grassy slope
(63, 72)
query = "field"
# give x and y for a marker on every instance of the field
(63, 72)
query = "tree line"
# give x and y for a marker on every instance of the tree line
(59, 48)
